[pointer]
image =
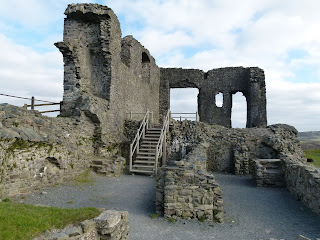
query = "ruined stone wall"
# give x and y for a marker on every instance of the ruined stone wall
(233, 150)
(105, 77)
(303, 181)
(228, 81)
(186, 190)
(111, 225)
(38, 151)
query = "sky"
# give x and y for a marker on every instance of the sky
(281, 37)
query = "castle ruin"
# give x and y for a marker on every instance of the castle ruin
(105, 78)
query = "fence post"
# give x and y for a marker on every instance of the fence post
(61, 103)
(130, 158)
(180, 119)
(32, 103)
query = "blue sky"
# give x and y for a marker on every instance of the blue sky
(282, 37)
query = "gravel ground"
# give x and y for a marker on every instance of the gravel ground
(250, 212)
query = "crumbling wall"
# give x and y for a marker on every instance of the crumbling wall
(38, 151)
(105, 77)
(233, 150)
(186, 190)
(111, 225)
(303, 181)
(228, 81)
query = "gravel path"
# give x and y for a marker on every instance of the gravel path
(250, 212)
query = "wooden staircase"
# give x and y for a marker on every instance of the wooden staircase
(148, 146)
(145, 159)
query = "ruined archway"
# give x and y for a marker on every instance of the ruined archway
(239, 111)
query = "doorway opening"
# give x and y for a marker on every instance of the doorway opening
(184, 103)
(239, 111)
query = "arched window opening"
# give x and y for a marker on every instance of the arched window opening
(145, 58)
(239, 111)
(219, 99)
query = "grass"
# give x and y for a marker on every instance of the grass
(20, 221)
(84, 178)
(154, 215)
(315, 155)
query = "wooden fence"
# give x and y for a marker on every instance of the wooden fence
(186, 116)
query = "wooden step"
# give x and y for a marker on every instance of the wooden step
(147, 153)
(154, 129)
(152, 135)
(150, 142)
(150, 139)
(153, 147)
(143, 166)
(144, 162)
(145, 157)
(142, 171)
(146, 149)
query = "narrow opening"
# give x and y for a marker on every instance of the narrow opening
(184, 103)
(145, 58)
(239, 111)
(219, 99)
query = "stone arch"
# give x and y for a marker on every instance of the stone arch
(237, 109)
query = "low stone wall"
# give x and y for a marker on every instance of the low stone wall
(186, 190)
(111, 225)
(303, 181)
(233, 150)
(268, 173)
(37, 151)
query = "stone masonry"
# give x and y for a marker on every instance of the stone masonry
(38, 151)
(106, 76)
(228, 81)
(268, 172)
(111, 225)
(186, 190)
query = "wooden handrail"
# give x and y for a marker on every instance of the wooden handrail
(134, 146)
(161, 146)
(197, 118)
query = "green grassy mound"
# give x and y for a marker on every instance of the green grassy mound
(315, 155)
(20, 221)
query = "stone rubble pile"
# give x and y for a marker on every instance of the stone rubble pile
(109, 225)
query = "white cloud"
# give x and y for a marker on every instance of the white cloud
(24, 72)
(219, 33)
